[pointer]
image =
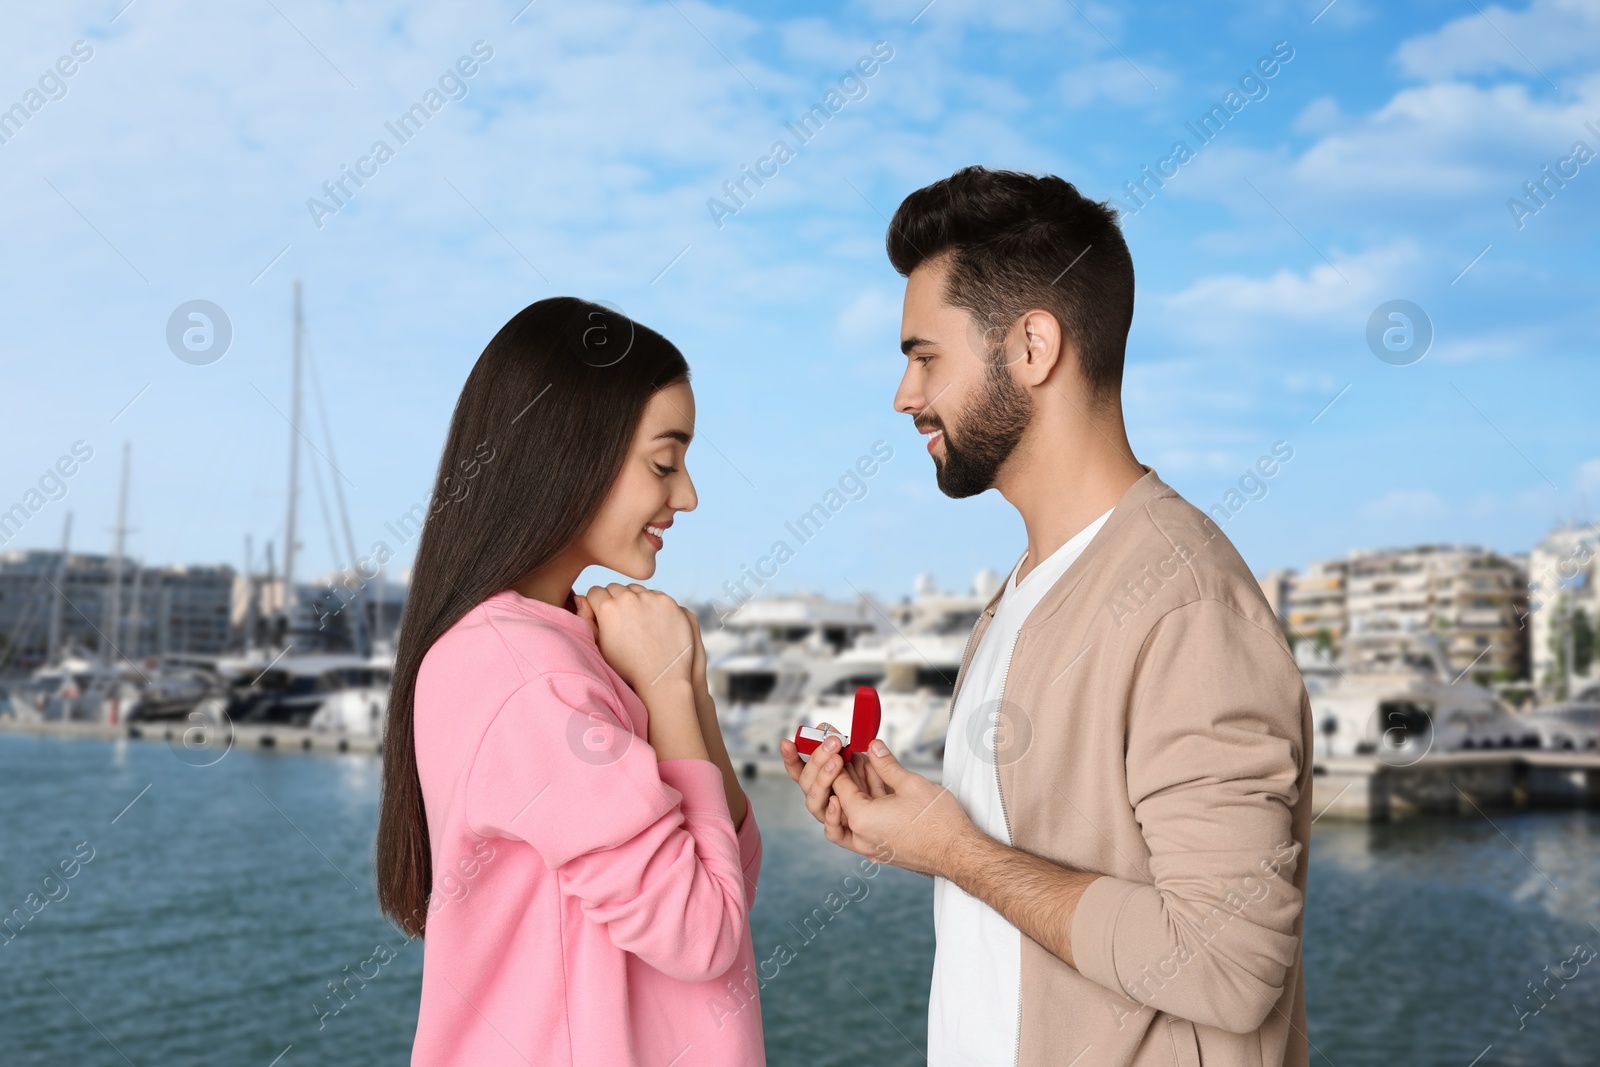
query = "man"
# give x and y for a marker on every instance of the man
(1118, 843)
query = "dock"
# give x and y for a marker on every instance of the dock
(203, 742)
(1359, 788)
(1368, 789)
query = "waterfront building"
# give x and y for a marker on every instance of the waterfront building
(1366, 607)
(1472, 598)
(1276, 586)
(1563, 608)
(336, 611)
(1316, 610)
(169, 608)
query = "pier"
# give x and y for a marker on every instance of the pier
(186, 735)
(1361, 789)
(1368, 789)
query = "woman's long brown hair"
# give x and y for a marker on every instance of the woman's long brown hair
(553, 401)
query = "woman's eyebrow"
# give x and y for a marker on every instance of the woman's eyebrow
(676, 435)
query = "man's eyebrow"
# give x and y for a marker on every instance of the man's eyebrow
(676, 435)
(908, 343)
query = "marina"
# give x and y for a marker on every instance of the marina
(1392, 740)
(1398, 730)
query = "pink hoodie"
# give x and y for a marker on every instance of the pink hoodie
(590, 905)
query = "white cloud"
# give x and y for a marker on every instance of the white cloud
(1323, 115)
(1227, 306)
(1449, 143)
(1548, 35)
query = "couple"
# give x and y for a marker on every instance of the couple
(1118, 843)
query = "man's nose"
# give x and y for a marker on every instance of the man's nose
(907, 398)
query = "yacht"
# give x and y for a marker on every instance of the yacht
(806, 673)
(915, 678)
(1402, 710)
(359, 705)
(1572, 724)
(323, 691)
(79, 688)
(73, 688)
(767, 656)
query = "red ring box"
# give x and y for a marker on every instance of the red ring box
(864, 721)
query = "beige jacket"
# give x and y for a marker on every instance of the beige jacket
(1155, 729)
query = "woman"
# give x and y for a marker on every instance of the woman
(559, 814)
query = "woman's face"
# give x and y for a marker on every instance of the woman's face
(654, 485)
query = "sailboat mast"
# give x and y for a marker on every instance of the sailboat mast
(360, 632)
(379, 637)
(57, 606)
(289, 543)
(270, 586)
(135, 622)
(113, 618)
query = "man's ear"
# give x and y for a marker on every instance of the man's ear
(1042, 347)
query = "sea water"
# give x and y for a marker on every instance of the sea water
(212, 910)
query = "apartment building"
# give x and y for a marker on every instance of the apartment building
(1316, 607)
(1276, 586)
(1374, 603)
(160, 609)
(1563, 580)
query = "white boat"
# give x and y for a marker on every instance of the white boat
(74, 688)
(915, 678)
(328, 691)
(764, 658)
(78, 688)
(803, 658)
(360, 705)
(1403, 711)
(1573, 725)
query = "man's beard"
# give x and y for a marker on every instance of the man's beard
(990, 429)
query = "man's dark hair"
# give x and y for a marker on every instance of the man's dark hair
(1017, 241)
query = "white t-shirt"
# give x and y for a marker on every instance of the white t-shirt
(977, 962)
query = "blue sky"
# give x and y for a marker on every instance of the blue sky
(176, 163)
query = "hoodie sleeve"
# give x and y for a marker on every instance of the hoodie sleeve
(648, 848)
(749, 852)
(1214, 755)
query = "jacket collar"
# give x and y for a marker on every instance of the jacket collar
(1134, 498)
(1141, 492)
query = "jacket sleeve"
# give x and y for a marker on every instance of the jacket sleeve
(648, 848)
(1214, 754)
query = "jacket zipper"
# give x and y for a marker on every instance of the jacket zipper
(1016, 1043)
